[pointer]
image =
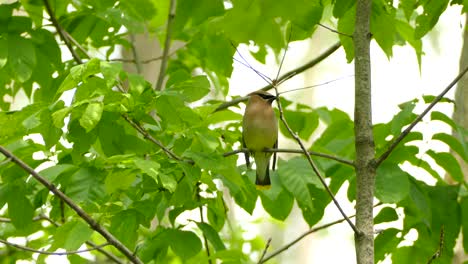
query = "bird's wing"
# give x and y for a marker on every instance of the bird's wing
(246, 154)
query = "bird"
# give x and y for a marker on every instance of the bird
(260, 131)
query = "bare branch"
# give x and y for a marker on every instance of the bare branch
(313, 230)
(60, 31)
(287, 75)
(335, 31)
(298, 151)
(311, 162)
(87, 218)
(43, 252)
(420, 117)
(264, 251)
(167, 46)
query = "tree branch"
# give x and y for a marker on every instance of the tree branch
(43, 252)
(135, 54)
(167, 46)
(148, 136)
(311, 162)
(287, 75)
(60, 31)
(298, 151)
(88, 219)
(420, 117)
(148, 60)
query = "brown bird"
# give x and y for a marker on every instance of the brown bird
(260, 131)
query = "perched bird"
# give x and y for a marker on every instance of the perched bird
(260, 131)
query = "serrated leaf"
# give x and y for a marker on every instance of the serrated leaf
(391, 184)
(59, 116)
(91, 115)
(194, 89)
(346, 25)
(448, 162)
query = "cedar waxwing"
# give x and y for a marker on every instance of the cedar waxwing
(260, 131)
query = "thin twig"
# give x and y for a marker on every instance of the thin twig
(60, 31)
(335, 31)
(135, 54)
(298, 151)
(77, 44)
(287, 75)
(419, 118)
(313, 230)
(43, 252)
(109, 255)
(167, 46)
(148, 136)
(264, 251)
(87, 218)
(148, 60)
(438, 253)
(311, 162)
(205, 240)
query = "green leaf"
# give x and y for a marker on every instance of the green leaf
(428, 19)
(124, 225)
(453, 143)
(20, 209)
(72, 235)
(194, 89)
(212, 236)
(295, 174)
(53, 172)
(86, 184)
(387, 214)
(91, 115)
(382, 27)
(346, 25)
(448, 162)
(391, 184)
(436, 115)
(385, 243)
(119, 180)
(3, 52)
(59, 116)
(21, 57)
(277, 201)
(149, 167)
(464, 220)
(185, 244)
(80, 73)
(341, 7)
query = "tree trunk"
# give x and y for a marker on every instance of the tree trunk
(365, 150)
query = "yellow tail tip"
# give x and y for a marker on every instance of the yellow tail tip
(263, 187)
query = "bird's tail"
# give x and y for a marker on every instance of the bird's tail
(263, 183)
(262, 161)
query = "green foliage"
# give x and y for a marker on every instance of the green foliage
(82, 119)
